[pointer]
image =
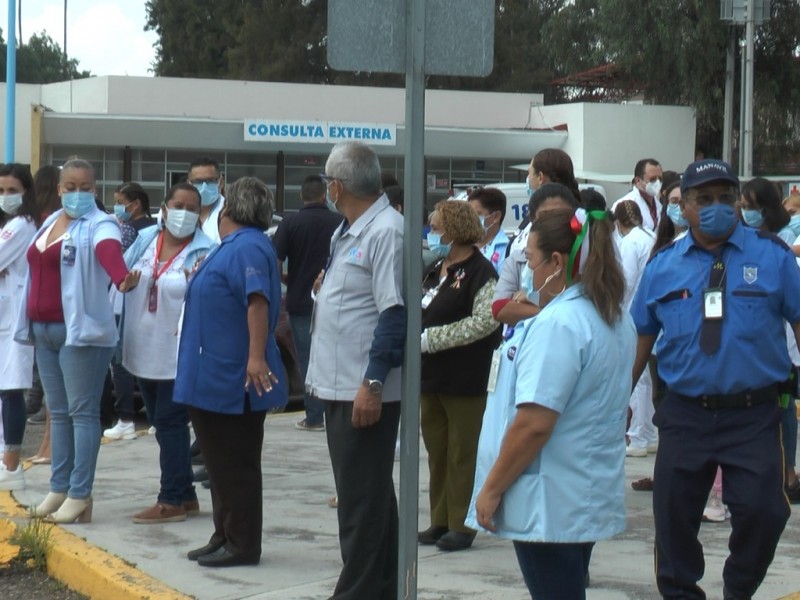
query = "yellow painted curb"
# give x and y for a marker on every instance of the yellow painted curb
(85, 568)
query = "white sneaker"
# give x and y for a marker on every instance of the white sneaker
(635, 452)
(715, 511)
(151, 431)
(12, 480)
(123, 430)
(652, 448)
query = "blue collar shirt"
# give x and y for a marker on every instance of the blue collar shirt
(762, 289)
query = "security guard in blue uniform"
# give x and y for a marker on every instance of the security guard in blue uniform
(720, 296)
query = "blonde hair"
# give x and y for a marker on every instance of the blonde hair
(459, 222)
(792, 200)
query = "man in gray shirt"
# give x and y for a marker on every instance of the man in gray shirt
(357, 341)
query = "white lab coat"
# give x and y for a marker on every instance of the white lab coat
(634, 252)
(16, 360)
(647, 220)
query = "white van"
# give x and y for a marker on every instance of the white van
(517, 201)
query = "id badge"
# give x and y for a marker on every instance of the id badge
(68, 255)
(152, 300)
(427, 299)
(713, 308)
(494, 371)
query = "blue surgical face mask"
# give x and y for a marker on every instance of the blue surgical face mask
(77, 204)
(717, 220)
(528, 188)
(676, 215)
(436, 246)
(794, 224)
(10, 203)
(209, 193)
(330, 201)
(526, 284)
(121, 213)
(753, 217)
(483, 222)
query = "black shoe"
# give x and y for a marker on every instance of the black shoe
(431, 535)
(223, 558)
(453, 541)
(727, 595)
(200, 475)
(207, 549)
(793, 492)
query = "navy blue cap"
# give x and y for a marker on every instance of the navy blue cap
(706, 171)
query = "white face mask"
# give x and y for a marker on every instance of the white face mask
(10, 204)
(181, 223)
(653, 188)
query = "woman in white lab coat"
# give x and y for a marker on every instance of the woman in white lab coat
(19, 220)
(635, 246)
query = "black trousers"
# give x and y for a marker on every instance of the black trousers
(362, 461)
(746, 444)
(231, 446)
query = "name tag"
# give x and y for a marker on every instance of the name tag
(494, 371)
(68, 255)
(713, 304)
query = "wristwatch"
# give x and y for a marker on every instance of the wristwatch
(374, 386)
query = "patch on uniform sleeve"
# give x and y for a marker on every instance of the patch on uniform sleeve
(6, 235)
(750, 274)
(251, 272)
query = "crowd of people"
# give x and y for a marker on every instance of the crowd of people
(667, 324)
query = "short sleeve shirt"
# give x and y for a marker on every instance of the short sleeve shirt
(364, 277)
(762, 290)
(573, 491)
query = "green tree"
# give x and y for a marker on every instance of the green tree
(194, 38)
(41, 61)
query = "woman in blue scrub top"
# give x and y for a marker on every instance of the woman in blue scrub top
(229, 370)
(550, 472)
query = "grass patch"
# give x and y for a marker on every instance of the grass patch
(34, 542)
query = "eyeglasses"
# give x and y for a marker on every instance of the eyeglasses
(202, 181)
(703, 200)
(331, 178)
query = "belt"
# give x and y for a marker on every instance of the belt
(744, 399)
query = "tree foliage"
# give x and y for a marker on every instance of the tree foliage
(667, 51)
(41, 61)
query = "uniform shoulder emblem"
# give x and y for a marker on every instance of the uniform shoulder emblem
(768, 235)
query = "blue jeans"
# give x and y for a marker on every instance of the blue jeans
(554, 571)
(72, 377)
(301, 334)
(13, 418)
(171, 421)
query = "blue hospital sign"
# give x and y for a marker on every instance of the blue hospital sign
(321, 132)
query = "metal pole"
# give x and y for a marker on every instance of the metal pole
(11, 82)
(748, 91)
(412, 280)
(730, 67)
(65, 30)
(742, 108)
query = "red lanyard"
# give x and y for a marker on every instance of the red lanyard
(156, 272)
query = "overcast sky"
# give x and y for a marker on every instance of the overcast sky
(106, 37)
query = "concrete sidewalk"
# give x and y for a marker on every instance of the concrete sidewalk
(300, 557)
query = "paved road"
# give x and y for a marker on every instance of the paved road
(300, 549)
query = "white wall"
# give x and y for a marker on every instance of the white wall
(27, 97)
(221, 99)
(611, 138)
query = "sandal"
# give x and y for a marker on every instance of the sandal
(643, 485)
(333, 501)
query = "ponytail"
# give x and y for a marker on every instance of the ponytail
(586, 237)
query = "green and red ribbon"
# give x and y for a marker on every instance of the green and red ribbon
(581, 224)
